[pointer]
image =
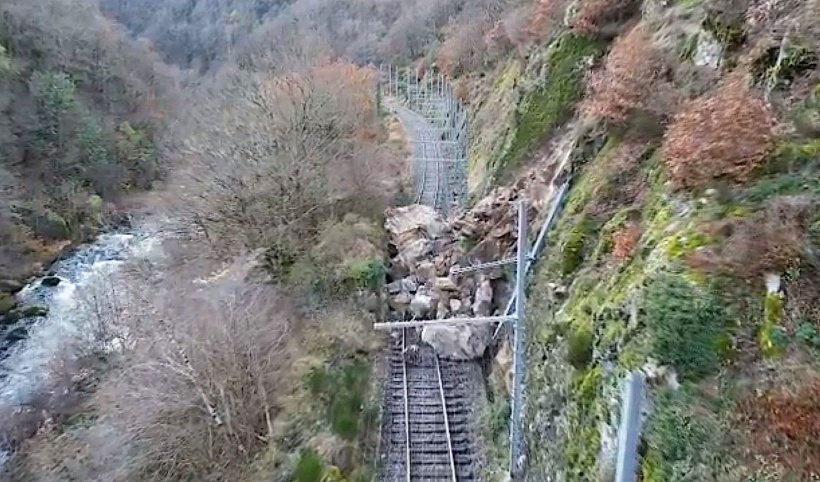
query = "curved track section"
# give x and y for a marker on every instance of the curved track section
(431, 170)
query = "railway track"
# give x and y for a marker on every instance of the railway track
(429, 401)
(428, 410)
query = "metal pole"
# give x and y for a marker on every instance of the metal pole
(630, 430)
(516, 444)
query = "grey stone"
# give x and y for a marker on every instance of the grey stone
(458, 342)
(421, 305)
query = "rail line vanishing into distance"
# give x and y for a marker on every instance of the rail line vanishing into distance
(428, 400)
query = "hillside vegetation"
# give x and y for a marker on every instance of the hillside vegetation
(687, 248)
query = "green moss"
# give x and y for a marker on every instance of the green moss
(684, 323)
(310, 468)
(579, 353)
(683, 438)
(593, 178)
(544, 109)
(796, 59)
(772, 336)
(729, 34)
(363, 273)
(684, 244)
(573, 249)
(584, 439)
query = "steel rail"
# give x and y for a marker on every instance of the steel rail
(406, 400)
(446, 421)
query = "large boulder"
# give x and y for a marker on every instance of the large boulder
(483, 304)
(458, 342)
(407, 223)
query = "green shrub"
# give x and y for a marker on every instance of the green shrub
(363, 273)
(579, 353)
(310, 468)
(808, 334)
(573, 249)
(343, 388)
(583, 437)
(681, 439)
(685, 324)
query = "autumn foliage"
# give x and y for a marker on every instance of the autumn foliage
(624, 241)
(786, 427)
(465, 48)
(626, 79)
(727, 133)
(545, 15)
(595, 14)
(773, 239)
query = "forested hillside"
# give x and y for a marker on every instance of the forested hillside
(242, 349)
(82, 107)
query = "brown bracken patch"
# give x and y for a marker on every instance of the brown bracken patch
(785, 426)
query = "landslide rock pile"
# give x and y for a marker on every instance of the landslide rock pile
(427, 247)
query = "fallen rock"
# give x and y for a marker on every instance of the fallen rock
(394, 287)
(409, 284)
(414, 221)
(50, 281)
(16, 334)
(421, 305)
(458, 342)
(483, 299)
(445, 283)
(426, 270)
(442, 309)
(411, 253)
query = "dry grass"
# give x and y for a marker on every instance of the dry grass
(785, 427)
(627, 78)
(593, 15)
(773, 239)
(725, 134)
(545, 16)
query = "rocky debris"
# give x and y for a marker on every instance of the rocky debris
(458, 342)
(482, 306)
(50, 281)
(503, 366)
(427, 247)
(445, 283)
(421, 305)
(16, 334)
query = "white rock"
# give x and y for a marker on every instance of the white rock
(458, 342)
(455, 305)
(772, 282)
(421, 305)
(483, 299)
(410, 285)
